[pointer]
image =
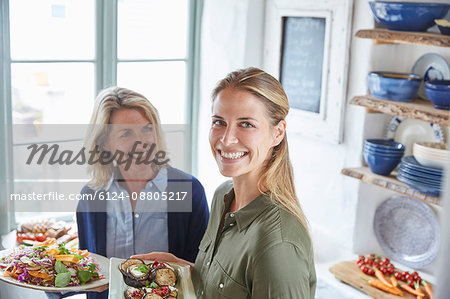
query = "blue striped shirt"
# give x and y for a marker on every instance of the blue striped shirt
(143, 231)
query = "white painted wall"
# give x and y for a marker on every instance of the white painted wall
(340, 209)
(232, 38)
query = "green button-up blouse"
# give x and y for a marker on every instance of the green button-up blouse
(259, 251)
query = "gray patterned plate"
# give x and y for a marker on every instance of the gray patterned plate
(407, 131)
(407, 230)
(430, 66)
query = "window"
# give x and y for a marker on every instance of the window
(57, 54)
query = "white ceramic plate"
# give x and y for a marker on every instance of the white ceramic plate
(431, 162)
(117, 286)
(103, 264)
(408, 131)
(407, 230)
(432, 149)
(430, 66)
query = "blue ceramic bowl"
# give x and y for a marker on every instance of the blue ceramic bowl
(408, 16)
(398, 87)
(438, 91)
(385, 144)
(383, 154)
(380, 164)
(443, 25)
(443, 85)
(445, 30)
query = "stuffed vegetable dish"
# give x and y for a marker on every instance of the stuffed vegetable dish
(152, 281)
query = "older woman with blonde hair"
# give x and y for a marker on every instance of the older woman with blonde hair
(257, 243)
(129, 168)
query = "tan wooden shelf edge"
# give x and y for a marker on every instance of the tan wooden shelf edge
(388, 182)
(419, 109)
(403, 37)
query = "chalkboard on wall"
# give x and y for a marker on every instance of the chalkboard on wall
(302, 58)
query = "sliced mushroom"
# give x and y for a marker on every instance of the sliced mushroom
(129, 262)
(165, 276)
(133, 282)
(138, 272)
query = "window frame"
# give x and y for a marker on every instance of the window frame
(105, 75)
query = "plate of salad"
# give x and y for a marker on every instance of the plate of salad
(51, 267)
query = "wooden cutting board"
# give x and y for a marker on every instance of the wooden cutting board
(349, 273)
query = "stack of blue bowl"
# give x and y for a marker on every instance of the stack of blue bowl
(425, 179)
(383, 155)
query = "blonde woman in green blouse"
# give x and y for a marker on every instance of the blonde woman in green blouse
(257, 243)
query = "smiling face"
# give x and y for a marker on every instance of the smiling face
(241, 135)
(132, 134)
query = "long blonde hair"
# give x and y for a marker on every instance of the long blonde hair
(109, 100)
(277, 177)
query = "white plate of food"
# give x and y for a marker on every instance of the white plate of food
(430, 66)
(139, 279)
(407, 131)
(52, 268)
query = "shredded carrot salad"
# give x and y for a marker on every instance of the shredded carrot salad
(50, 265)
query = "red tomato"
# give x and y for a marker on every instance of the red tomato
(40, 238)
(398, 275)
(19, 239)
(371, 272)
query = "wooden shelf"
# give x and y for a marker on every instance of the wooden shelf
(419, 109)
(404, 37)
(388, 182)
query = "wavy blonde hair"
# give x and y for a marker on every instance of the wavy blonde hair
(277, 177)
(109, 100)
